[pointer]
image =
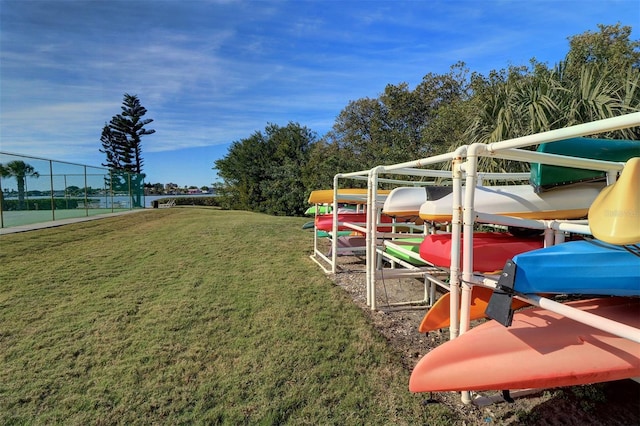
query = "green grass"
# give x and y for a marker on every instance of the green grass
(188, 315)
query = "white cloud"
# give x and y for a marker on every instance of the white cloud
(212, 72)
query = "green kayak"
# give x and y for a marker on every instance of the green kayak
(545, 177)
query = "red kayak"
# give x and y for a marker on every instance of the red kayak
(324, 222)
(490, 249)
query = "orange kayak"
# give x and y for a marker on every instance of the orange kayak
(541, 349)
(438, 316)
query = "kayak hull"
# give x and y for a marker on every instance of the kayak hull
(411, 244)
(614, 216)
(439, 315)
(324, 222)
(545, 177)
(345, 195)
(490, 249)
(541, 349)
(578, 267)
(406, 201)
(520, 201)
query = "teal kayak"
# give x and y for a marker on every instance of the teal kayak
(545, 177)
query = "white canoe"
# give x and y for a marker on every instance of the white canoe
(406, 200)
(569, 202)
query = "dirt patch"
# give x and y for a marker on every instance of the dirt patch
(612, 403)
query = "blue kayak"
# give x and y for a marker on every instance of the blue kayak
(579, 267)
(586, 267)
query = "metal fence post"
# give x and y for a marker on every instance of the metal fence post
(53, 201)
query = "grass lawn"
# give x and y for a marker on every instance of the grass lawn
(188, 315)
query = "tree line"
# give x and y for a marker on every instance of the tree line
(274, 171)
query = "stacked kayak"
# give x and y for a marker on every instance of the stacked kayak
(326, 209)
(406, 201)
(571, 202)
(490, 249)
(320, 209)
(614, 216)
(438, 316)
(541, 349)
(324, 222)
(410, 244)
(545, 177)
(345, 195)
(592, 267)
(577, 267)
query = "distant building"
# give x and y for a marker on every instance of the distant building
(171, 188)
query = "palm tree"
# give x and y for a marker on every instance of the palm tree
(20, 170)
(517, 105)
(601, 92)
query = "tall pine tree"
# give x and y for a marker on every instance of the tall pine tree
(121, 143)
(121, 138)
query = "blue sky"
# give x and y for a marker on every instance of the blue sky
(211, 72)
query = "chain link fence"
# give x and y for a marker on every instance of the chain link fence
(34, 190)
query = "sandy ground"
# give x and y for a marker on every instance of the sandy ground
(613, 403)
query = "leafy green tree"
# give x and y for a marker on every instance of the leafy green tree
(449, 101)
(155, 188)
(241, 171)
(325, 161)
(284, 190)
(511, 103)
(611, 46)
(601, 76)
(404, 124)
(264, 172)
(74, 191)
(358, 130)
(20, 171)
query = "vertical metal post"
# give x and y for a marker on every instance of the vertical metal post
(130, 193)
(111, 187)
(86, 195)
(66, 198)
(144, 195)
(372, 231)
(53, 202)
